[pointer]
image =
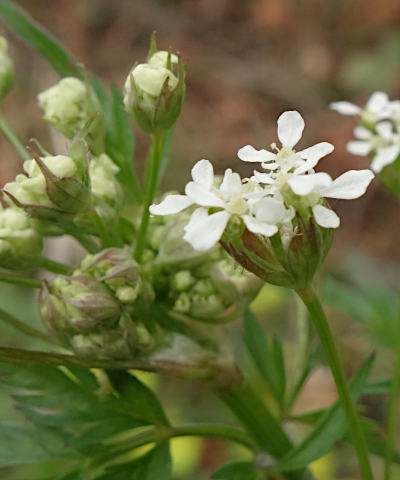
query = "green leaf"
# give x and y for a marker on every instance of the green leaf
(331, 427)
(375, 440)
(38, 38)
(267, 355)
(26, 444)
(134, 395)
(120, 141)
(236, 471)
(378, 387)
(155, 465)
(374, 307)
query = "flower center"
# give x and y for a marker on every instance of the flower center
(237, 206)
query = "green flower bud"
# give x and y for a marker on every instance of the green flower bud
(53, 188)
(104, 184)
(154, 94)
(69, 105)
(6, 69)
(20, 243)
(287, 260)
(78, 304)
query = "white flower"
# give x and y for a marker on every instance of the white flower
(231, 198)
(290, 129)
(376, 108)
(348, 186)
(384, 142)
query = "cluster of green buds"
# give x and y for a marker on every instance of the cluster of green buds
(287, 259)
(100, 309)
(6, 69)
(69, 106)
(20, 243)
(107, 192)
(53, 188)
(154, 91)
(205, 286)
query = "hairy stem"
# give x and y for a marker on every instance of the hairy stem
(320, 322)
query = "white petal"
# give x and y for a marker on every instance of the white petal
(350, 185)
(385, 130)
(231, 185)
(290, 128)
(260, 177)
(256, 226)
(362, 133)
(359, 147)
(270, 166)
(197, 216)
(305, 184)
(205, 233)
(325, 217)
(269, 210)
(377, 101)
(384, 156)
(203, 173)
(198, 194)
(313, 155)
(171, 204)
(345, 108)
(250, 154)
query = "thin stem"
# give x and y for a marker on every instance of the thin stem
(157, 434)
(318, 317)
(54, 267)
(393, 406)
(302, 353)
(152, 175)
(13, 139)
(176, 369)
(23, 328)
(22, 281)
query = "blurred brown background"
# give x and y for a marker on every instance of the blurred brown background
(248, 62)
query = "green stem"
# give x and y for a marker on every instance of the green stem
(86, 241)
(393, 406)
(13, 139)
(54, 267)
(22, 327)
(152, 175)
(157, 434)
(302, 355)
(23, 281)
(319, 319)
(260, 423)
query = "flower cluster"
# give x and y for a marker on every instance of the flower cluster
(378, 134)
(268, 202)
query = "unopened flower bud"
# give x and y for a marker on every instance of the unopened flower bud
(286, 260)
(6, 69)
(103, 182)
(69, 105)
(78, 304)
(154, 94)
(52, 188)
(20, 243)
